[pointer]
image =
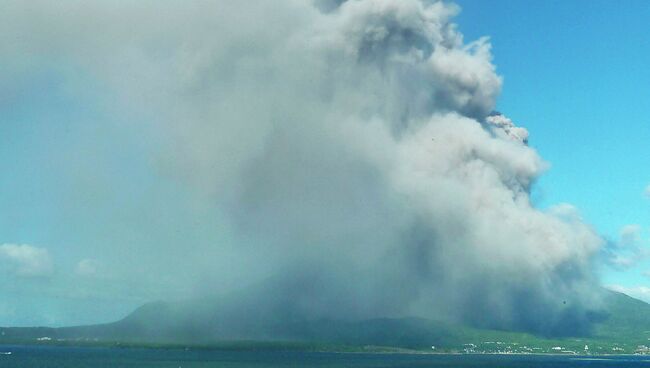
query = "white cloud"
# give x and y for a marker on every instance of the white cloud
(622, 262)
(565, 211)
(628, 250)
(630, 235)
(647, 191)
(646, 273)
(87, 267)
(27, 260)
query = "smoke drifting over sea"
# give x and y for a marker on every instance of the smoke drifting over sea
(350, 146)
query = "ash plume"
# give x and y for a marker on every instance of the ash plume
(349, 146)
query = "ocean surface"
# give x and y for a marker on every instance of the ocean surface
(73, 357)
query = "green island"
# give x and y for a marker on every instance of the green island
(624, 330)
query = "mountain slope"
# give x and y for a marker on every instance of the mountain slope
(625, 325)
(627, 319)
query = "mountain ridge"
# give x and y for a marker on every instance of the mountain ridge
(626, 326)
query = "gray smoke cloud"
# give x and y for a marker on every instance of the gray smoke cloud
(350, 146)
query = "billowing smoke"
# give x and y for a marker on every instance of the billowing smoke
(352, 146)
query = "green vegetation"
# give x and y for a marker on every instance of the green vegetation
(625, 329)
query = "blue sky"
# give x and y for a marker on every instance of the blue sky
(575, 76)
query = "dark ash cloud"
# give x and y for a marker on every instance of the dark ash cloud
(349, 145)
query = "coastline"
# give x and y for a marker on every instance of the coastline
(297, 347)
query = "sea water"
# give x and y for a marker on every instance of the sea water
(74, 357)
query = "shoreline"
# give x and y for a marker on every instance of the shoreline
(286, 347)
